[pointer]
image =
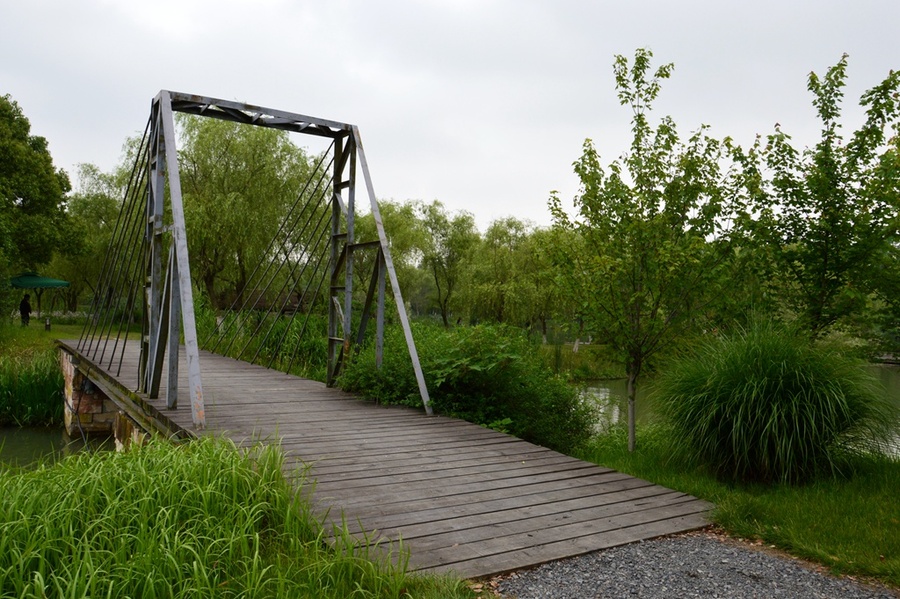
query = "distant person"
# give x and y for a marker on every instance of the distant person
(25, 310)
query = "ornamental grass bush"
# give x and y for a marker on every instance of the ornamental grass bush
(487, 374)
(766, 404)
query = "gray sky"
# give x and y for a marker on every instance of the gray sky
(482, 104)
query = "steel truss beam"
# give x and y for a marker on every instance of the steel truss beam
(168, 295)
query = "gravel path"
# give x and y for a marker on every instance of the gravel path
(694, 565)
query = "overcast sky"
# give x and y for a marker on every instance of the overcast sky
(481, 104)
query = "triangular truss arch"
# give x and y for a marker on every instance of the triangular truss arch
(153, 217)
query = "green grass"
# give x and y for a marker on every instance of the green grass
(850, 524)
(196, 520)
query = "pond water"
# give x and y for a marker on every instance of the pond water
(23, 447)
(611, 397)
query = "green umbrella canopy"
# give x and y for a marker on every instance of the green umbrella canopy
(32, 280)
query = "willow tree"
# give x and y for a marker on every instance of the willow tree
(648, 241)
(238, 183)
(451, 238)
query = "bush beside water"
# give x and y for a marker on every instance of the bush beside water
(767, 404)
(201, 519)
(489, 375)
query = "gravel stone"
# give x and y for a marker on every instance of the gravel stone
(695, 565)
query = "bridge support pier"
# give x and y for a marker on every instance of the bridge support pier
(87, 409)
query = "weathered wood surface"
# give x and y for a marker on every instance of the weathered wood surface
(461, 497)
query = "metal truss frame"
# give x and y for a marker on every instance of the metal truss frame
(168, 296)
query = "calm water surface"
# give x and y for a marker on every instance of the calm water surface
(24, 447)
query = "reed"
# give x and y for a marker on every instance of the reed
(31, 389)
(201, 519)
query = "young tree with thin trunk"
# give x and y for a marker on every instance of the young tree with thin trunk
(648, 241)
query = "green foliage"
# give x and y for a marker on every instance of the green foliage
(450, 241)
(590, 363)
(31, 382)
(407, 239)
(32, 193)
(31, 389)
(827, 216)
(766, 404)
(239, 182)
(201, 519)
(647, 248)
(847, 523)
(490, 375)
(93, 211)
(297, 344)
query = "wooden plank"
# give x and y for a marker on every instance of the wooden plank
(500, 510)
(498, 563)
(573, 535)
(445, 478)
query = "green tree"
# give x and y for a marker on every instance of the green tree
(93, 210)
(238, 182)
(650, 241)
(828, 214)
(511, 277)
(407, 239)
(450, 240)
(496, 289)
(32, 193)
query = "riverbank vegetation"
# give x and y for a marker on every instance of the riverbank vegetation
(489, 375)
(31, 382)
(766, 404)
(199, 519)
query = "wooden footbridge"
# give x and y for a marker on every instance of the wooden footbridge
(461, 497)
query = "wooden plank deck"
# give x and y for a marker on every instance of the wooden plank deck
(463, 498)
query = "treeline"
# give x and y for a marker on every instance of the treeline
(679, 236)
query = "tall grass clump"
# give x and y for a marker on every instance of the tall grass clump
(197, 520)
(31, 382)
(489, 375)
(766, 404)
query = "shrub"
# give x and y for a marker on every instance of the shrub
(766, 404)
(489, 375)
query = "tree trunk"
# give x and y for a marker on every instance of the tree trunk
(633, 369)
(632, 388)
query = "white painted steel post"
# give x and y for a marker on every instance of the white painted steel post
(392, 274)
(182, 265)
